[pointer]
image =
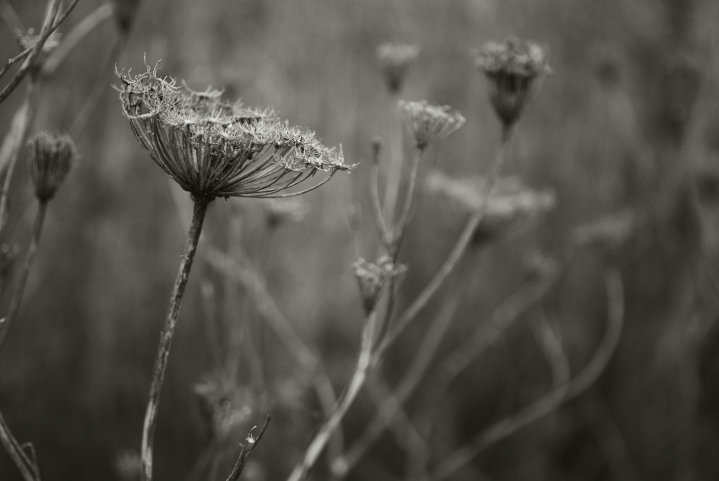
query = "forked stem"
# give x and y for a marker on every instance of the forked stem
(163, 350)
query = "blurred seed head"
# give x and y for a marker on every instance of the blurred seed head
(225, 407)
(29, 38)
(510, 204)
(281, 211)
(8, 254)
(395, 59)
(610, 235)
(212, 148)
(51, 157)
(372, 277)
(128, 465)
(429, 123)
(511, 67)
(125, 12)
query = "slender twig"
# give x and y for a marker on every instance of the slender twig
(450, 262)
(556, 396)
(14, 140)
(320, 439)
(379, 217)
(22, 280)
(163, 351)
(27, 468)
(400, 226)
(394, 168)
(79, 31)
(394, 400)
(245, 450)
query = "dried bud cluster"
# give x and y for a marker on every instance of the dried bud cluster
(395, 59)
(509, 204)
(511, 67)
(50, 157)
(216, 149)
(429, 123)
(372, 277)
(224, 405)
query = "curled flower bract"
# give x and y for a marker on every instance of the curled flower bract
(213, 148)
(511, 67)
(51, 158)
(395, 60)
(430, 123)
(372, 277)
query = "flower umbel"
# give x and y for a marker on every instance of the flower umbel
(51, 157)
(510, 204)
(395, 59)
(215, 149)
(511, 67)
(372, 277)
(429, 123)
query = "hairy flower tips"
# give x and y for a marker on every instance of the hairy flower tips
(372, 277)
(394, 60)
(511, 67)
(50, 157)
(213, 148)
(429, 123)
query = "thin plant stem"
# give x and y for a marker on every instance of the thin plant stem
(556, 396)
(452, 260)
(83, 28)
(16, 301)
(27, 468)
(163, 351)
(400, 227)
(359, 377)
(394, 169)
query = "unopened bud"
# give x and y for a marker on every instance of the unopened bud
(50, 156)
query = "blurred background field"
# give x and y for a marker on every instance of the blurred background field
(626, 122)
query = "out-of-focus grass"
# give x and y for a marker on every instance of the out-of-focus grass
(606, 130)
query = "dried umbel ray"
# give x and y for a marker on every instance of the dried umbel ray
(213, 148)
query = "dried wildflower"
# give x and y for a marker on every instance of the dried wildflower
(216, 149)
(50, 156)
(279, 211)
(509, 204)
(395, 59)
(372, 277)
(429, 123)
(511, 66)
(224, 405)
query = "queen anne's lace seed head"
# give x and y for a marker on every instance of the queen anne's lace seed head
(511, 67)
(213, 148)
(50, 156)
(395, 59)
(509, 204)
(372, 277)
(429, 123)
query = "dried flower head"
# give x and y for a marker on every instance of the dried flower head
(509, 205)
(224, 405)
(372, 277)
(50, 156)
(511, 67)
(429, 123)
(395, 59)
(213, 148)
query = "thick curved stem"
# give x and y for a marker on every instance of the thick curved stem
(323, 436)
(163, 350)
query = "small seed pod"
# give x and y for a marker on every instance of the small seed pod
(395, 59)
(372, 277)
(430, 123)
(511, 67)
(51, 157)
